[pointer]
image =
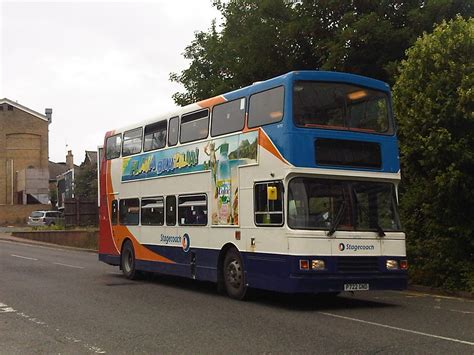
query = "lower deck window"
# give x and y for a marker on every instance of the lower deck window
(153, 211)
(129, 211)
(192, 210)
(114, 212)
(269, 204)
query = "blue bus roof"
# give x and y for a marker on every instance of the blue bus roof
(312, 75)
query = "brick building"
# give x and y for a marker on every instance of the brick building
(24, 171)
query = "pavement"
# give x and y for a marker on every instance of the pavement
(56, 300)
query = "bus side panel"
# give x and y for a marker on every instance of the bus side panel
(196, 263)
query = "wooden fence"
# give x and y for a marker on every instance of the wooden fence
(79, 212)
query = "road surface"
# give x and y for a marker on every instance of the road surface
(63, 301)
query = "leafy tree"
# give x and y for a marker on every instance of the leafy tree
(260, 39)
(85, 184)
(434, 102)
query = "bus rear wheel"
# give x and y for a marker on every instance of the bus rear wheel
(127, 261)
(234, 275)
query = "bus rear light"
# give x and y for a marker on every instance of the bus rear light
(403, 264)
(304, 264)
(318, 264)
(391, 264)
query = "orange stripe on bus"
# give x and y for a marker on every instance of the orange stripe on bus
(212, 101)
(265, 142)
(121, 233)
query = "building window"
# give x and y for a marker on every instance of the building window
(194, 126)
(173, 131)
(10, 108)
(153, 211)
(132, 142)
(129, 211)
(228, 117)
(266, 107)
(155, 136)
(268, 203)
(113, 146)
(192, 210)
(114, 212)
(170, 210)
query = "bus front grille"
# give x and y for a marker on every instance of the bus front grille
(356, 264)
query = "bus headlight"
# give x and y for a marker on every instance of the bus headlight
(318, 264)
(391, 264)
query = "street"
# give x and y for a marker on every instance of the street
(64, 301)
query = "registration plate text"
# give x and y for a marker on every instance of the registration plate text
(356, 287)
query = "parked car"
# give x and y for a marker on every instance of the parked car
(45, 218)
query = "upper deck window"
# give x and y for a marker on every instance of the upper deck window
(113, 146)
(228, 117)
(194, 126)
(132, 142)
(266, 107)
(340, 106)
(155, 136)
(173, 131)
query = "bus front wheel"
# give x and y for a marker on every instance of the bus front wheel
(234, 275)
(128, 261)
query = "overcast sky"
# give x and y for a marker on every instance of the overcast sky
(98, 65)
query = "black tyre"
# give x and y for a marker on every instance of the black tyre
(234, 275)
(127, 261)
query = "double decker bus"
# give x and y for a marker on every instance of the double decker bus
(288, 185)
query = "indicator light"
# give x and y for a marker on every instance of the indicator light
(304, 264)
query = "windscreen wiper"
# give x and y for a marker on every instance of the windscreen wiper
(338, 219)
(380, 231)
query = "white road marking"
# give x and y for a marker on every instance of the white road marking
(397, 328)
(6, 309)
(465, 312)
(67, 265)
(421, 294)
(23, 257)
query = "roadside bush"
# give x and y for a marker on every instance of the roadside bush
(434, 103)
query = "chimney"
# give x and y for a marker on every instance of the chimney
(69, 160)
(48, 112)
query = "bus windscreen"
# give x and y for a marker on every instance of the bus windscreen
(341, 106)
(360, 205)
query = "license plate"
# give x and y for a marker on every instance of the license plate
(356, 287)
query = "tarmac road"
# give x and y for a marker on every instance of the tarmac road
(56, 300)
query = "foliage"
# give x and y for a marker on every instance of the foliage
(86, 182)
(434, 102)
(53, 227)
(260, 39)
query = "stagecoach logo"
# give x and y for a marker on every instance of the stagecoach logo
(185, 243)
(353, 247)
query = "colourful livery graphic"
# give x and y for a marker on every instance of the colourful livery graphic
(289, 185)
